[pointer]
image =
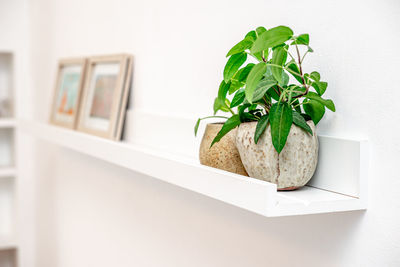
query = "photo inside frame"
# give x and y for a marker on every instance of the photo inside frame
(103, 82)
(67, 93)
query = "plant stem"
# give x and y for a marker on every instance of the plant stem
(291, 55)
(209, 117)
(266, 106)
(288, 70)
(301, 61)
(280, 89)
(252, 56)
(263, 56)
(276, 91)
(302, 76)
(296, 105)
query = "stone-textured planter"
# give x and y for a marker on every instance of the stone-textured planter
(222, 155)
(291, 169)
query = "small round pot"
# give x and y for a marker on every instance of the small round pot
(290, 169)
(222, 155)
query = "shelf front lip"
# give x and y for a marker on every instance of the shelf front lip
(256, 196)
(349, 204)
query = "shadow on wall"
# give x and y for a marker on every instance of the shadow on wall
(308, 240)
(129, 218)
(230, 236)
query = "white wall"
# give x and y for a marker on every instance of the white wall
(90, 213)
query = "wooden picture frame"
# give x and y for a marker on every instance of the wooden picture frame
(67, 92)
(105, 95)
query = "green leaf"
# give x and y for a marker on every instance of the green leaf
(320, 87)
(255, 75)
(219, 102)
(326, 102)
(271, 38)
(268, 73)
(253, 107)
(251, 35)
(279, 57)
(246, 43)
(227, 102)
(306, 116)
(293, 67)
(260, 128)
(301, 122)
(242, 108)
(242, 74)
(285, 79)
(223, 90)
(281, 120)
(262, 88)
(239, 79)
(307, 78)
(259, 55)
(233, 65)
(315, 76)
(247, 116)
(235, 85)
(302, 39)
(260, 30)
(238, 98)
(229, 125)
(299, 91)
(220, 105)
(296, 103)
(315, 110)
(272, 93)
(196, 127)
(289, 91)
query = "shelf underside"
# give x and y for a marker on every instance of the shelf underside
(323, 195)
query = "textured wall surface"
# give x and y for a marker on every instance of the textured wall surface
(89, 213)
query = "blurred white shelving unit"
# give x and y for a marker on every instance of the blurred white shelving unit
(339, 184)
(7, 123)
(8, 173)
(8, 244)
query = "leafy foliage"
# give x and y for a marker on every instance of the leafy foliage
(281, 121)
(264, 81)
(230, 124)
(261, 126)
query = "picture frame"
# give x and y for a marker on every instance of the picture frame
(67, 92)
(105, 95)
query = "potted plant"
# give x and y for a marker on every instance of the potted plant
(274, 106)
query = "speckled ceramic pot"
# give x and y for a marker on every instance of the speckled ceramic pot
(290, 169)
(222, 155)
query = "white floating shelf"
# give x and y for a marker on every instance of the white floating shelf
(338, 185)
(7, 123)
(7, 172)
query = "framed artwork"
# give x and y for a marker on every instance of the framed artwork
(105, 95)
(67, 93)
